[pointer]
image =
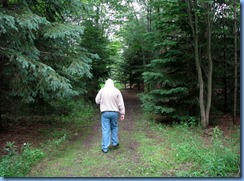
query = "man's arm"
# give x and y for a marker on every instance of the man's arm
(98, 97)
(121, 106)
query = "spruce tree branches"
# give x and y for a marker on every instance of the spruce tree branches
(45, 58)
(60, 30)
(7, 23)
(36, 78)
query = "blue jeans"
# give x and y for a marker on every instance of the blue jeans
(109, 121)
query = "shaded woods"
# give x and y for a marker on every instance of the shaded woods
(182, 56)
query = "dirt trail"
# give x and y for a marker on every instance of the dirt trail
(142, 151)
(126, 127)
(84, 157)
(132, 108)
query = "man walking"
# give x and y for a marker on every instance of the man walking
(111, 107)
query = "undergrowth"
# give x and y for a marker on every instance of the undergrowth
(185, 152)
(64, 123)
(178, 150)
(18, 165)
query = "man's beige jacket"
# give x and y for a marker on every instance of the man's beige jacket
(110, 98)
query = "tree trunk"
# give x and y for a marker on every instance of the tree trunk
(201, 85)
(193, 22)
(210, 64)
(149, 14)
(235, 65)
(225, 74)
(5, 3)
(149, 29)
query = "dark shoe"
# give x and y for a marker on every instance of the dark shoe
(104, 151)
(116, 146)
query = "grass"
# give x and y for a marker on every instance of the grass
(19, 165)
(159, 151)
(185, 154)
(73, 149)
(57, 131)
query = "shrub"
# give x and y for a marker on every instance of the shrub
(216, 160)
(18, 165)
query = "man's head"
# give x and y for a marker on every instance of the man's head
(109, 83)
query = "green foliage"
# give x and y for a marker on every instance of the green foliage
(189, 154)
(171, 89)
(56, 141)
(79, 110)
(6, 23)
(44, 55)
(155, 150)
(216, 160)
(158, 51)
(96, 42)
(170, 75)
(10, 148)
(67, 119)
(57, 30)
(18, 165)
(137, 49)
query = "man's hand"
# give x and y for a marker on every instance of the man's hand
(122, 117)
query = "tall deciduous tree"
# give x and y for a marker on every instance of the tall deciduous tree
(193, 17)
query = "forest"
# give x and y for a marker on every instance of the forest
(182, 57)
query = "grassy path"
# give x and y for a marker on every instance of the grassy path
(83, 157)
(146, 150)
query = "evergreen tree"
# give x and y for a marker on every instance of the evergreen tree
(170, 75)
(137, 47)
(41, 59)
(96, 42)
(173, 76)
(41, 44)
